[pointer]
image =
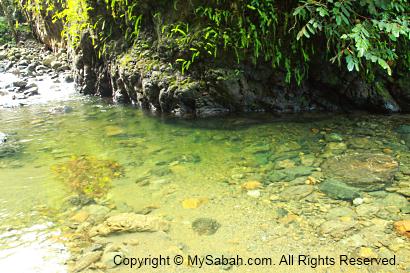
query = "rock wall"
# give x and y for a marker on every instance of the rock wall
(142, 77)
(46, 30)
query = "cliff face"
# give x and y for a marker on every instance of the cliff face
(47, 30)
(148, 78)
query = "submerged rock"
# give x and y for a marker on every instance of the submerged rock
(369, 172)
(193, 203)
(395, 200)
(403, 129)
(61, 109)
(336, 228)
(290, 174)
(111, 131)
(8, 147)
(339, 190)
(338, 212)
(296, 192)
(251, 185)
(86, 260)
(129, 222)
(403, 227)
(254, 193)
(3, 137)
(333, 137)
(205, 226)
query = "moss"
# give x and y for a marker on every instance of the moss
(125, 60)
(382, 91)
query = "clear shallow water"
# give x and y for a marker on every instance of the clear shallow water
(167, 161)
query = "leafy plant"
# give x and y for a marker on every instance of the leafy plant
(360, 35)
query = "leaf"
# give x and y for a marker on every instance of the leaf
(300, 34)
(350, 63)
(322, 11)
(385, 66)
(345, 19)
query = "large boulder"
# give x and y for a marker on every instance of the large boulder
(368, 171)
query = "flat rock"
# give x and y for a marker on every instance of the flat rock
(250, 185)
(337, 229)
(129, 222)
(367, 210)
(290, 174)
(369, 172)
(296, 192)
(403, 129)
(86, 260)
(339, 190)
(403, 227)
(338, 212)
(96, 212)
(205, 226)
(111, 131)
(193, 203)
(396, 200)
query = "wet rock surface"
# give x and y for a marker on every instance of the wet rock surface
(369, 172)
(205, 226)
(25, 79)
(128, 222)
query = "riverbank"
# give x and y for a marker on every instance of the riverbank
(85, 181)
(32, 74)
(162, 64)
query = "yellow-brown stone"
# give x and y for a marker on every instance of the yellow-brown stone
(403, 227)
(113, 131)
(251, 185)
(193, 203)
(80, 217)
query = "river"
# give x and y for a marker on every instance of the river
(252, 185)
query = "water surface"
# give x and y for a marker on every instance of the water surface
(166, 161)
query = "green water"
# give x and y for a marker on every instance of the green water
(166, 161)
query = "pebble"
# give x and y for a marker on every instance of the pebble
(254, 193)
(251, 185)
(403, 227)
(193, 203)
(205, 226)
(358, 201)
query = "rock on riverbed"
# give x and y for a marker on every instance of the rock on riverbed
(367, 172)
(130, 222)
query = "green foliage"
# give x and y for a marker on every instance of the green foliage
(360, 35)
(87, 175)
(362, 32)
(5, 35)
(75, 14)
(8, 10)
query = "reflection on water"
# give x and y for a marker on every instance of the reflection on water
(251, 186)
(32, 249)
